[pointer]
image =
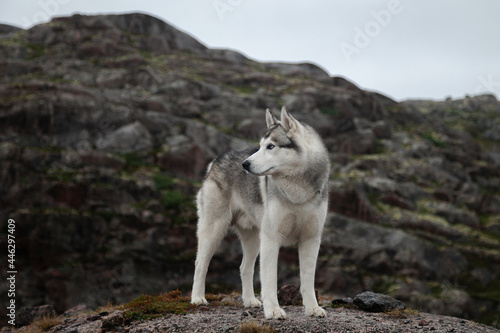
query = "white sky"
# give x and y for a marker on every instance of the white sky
(401, 48)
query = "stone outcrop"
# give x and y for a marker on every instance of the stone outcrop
(373, 302)
(107, 124)
(228, 315)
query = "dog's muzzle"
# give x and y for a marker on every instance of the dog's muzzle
(246, 165)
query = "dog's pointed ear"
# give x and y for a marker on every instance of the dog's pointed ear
(289, 123)
(270, 119)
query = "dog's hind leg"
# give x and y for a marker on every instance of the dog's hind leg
(250, 243)
(213, 224)
(209, 240)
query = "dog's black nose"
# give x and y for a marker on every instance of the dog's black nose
(246, 165)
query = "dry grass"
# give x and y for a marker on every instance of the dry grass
(255, 327)
(107, 308)
(42, 325)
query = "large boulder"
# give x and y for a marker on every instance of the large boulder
(184, 157)
(390, 251)
(374, 302)
(126, 139)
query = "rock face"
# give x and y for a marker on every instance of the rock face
(107, 124)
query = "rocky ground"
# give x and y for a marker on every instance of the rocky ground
(108, 122)
(232, 317)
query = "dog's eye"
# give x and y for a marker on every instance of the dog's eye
(270, 146)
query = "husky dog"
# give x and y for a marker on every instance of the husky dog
(273, 196)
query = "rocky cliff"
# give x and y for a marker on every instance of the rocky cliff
(108, 122)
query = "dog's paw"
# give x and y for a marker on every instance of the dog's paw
(274, 312)
(316, 311)
(198, 300)
(252, 303)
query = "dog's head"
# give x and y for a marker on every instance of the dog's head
(279, 147)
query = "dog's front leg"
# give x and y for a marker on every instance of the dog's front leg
(308, 254)
(269, 251)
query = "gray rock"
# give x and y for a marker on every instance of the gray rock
(289, 295)
(111, 78)
(453, 214)
(160, 37)
(342, 301)
(379, 184)
(410, 191)
(490, 205)
(9, 151)
(113, 321)
(495, 157)
(395, 200)
(304, 69)
(373, 302)
(129, 138)
(101, 159)
(380, 128)
(18, 67)
(228, 55)
(8, 29)
(351, 201)
(360, 142)
(184, 157)
(365, 244)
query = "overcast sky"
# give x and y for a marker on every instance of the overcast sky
(401, 48)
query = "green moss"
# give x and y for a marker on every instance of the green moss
(133, 160)
(387, 284)
(163, 182)
(328, 110)
(489, 220)
(148, 307)
(434, 139)
(179, 208)
(14, 40)
(63, 176)
(16, 98)
(242, 89)
(436, 288)
(172, 199)
(105, 214)
(36, 51)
